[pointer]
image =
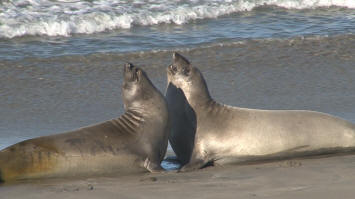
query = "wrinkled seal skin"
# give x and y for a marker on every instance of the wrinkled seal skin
(134, 142)
(225, 134)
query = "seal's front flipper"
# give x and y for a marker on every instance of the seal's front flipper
(194, 165)
(153, 167)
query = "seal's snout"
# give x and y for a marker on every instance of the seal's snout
(179, 59)
(128, 67)
(175, 54)
(130, 72)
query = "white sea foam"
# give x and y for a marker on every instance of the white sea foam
(67, 17)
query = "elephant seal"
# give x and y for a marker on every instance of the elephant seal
(183, 125)
(225, 134)
(134, 142)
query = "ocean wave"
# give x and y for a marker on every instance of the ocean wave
(67, 17)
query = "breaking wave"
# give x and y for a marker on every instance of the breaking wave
(66, 17)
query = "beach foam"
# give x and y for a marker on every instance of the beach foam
(67, 17)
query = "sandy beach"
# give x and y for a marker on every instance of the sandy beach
(317, 178)
(61, 68)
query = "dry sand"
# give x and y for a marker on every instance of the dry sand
(321, 177)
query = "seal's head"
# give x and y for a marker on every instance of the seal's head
(187, 78)
(137, 89)
(179, 72)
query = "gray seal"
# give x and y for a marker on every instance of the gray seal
(224, 134)
(133, 143)
(183, 123)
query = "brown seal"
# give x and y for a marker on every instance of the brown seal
(134, 142)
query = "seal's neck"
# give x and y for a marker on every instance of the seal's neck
(197, 94)
(151, 108)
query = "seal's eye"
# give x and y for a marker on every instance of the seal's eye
(186, 71)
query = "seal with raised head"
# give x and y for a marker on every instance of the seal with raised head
(134, 142)
(225, 134)
(183, 125)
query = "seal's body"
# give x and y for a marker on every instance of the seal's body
(225, 134)
(183, 125)
(134, 142)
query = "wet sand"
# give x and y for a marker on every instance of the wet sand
(46, 96)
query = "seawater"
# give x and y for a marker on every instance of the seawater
(46, 28)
